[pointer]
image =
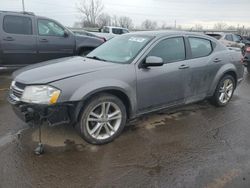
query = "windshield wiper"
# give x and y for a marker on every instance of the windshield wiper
(96, 58)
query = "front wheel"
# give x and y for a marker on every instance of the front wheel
(102, 120)
(224, 91)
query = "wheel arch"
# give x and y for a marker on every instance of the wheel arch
(228, 69)
(118, 92)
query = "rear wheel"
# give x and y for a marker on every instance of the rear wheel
(224, 91)
(102, 120)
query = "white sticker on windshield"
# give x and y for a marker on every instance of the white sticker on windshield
(137, 39)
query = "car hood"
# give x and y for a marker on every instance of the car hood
(80, 39)
(54, 70)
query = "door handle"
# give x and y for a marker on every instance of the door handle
(183, 66)
(217, 60)
(43, 40)
(8, 39)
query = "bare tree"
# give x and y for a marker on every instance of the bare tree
(125, 22)
(149, 25)
(104, 19)
(198, 27)
(77, 24)
(115, 21)
(90, 10)
(220, 26)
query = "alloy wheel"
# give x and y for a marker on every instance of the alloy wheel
(226, 91)
(104, 120)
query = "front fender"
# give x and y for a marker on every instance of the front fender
(91, 88)
(220, 73)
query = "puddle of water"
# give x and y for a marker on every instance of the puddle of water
(58, 137)
(6, 139)
(225, 179)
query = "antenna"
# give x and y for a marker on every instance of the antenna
(23, 6)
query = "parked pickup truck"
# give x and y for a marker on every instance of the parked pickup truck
(109, 32)
(26, 39)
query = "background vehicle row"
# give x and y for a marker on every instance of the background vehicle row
(27, 39)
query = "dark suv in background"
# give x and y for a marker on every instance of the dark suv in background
(26, 39)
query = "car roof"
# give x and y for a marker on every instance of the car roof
(16, 12)
(23, 13)
(163, 33)
(220, 33)
(113, 27)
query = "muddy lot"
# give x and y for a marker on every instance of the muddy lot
(194, 146)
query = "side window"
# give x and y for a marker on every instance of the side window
(170, 50)
(200, 47)
(229, 37)
(105, 30)
(17, 25)
(49, 28)
(117, 31)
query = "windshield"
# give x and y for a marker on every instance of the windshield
(122, 49)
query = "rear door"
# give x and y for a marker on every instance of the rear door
(203, 65)
(52, 41)
(18, 41)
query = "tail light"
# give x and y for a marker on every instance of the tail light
(104, 40)
(248, 49)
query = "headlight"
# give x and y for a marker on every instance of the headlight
(40, 94)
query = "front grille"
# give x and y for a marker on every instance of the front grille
(20, 85)
(17, 93)
(17, 89)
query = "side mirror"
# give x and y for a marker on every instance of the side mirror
(153, 61)
(66, 33)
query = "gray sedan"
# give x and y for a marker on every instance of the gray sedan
(124, 78)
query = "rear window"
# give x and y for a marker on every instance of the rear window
(17, 25)
(229, 37)
(216, 36)
(200, 47)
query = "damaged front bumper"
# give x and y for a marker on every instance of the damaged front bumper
(35, 113)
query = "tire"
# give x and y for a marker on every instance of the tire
(94, 120)
(218, 98)
(243, 50)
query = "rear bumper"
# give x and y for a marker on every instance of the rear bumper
(34, 113)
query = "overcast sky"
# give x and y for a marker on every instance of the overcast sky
(186, 12)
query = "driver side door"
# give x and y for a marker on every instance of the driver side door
(163, 86)
(52, 41)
